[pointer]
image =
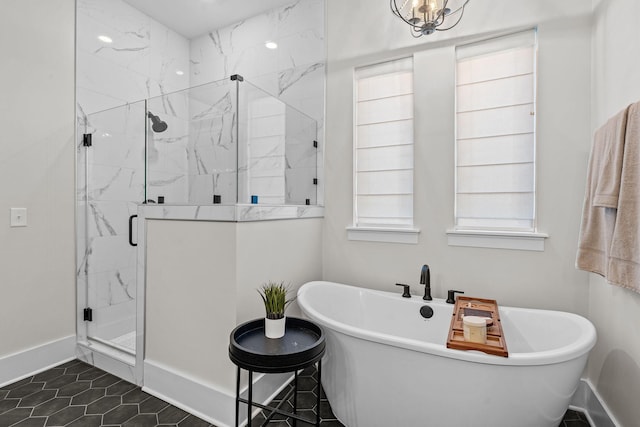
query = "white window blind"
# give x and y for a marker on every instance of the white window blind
(383, 181)
(495, 134)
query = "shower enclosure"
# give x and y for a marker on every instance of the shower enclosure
(223, 143)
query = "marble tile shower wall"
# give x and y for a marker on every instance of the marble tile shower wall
(141, 62)
(294, 73)
(212, 149)
(167, 151)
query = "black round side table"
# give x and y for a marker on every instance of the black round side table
(301, 346)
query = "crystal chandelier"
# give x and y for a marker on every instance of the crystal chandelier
(426, 16)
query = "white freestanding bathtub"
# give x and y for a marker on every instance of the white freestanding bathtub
(387, 366)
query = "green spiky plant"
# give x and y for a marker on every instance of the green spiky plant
(274, 296)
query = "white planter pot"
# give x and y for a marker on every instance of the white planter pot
(274, 328)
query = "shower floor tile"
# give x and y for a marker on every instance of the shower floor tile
(127, 340)
(78, 395)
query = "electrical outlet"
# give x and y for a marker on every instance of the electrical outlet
(18, 217)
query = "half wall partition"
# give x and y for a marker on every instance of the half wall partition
(225, 143)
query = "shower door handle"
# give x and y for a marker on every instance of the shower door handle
(131, 230)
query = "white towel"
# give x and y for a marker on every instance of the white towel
(601, 195)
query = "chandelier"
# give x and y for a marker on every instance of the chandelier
(426, 16)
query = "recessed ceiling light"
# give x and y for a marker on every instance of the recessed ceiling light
(180, 72)
(105, 39)
(271, 45)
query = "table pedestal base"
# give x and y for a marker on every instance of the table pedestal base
(276, 409)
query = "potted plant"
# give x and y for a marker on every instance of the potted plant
(274, 296)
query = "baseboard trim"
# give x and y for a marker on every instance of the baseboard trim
(204, 400)
(587, 400)
(17, 366)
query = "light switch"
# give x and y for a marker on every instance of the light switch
(18, 217)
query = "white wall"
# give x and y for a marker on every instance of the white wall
(191, 298)
(201, 282)
(37, 286)
(614, 365)
(285, 250)
(540, 279)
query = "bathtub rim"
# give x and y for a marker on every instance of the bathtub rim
(575, 350)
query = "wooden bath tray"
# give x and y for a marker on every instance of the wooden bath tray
(482, 307)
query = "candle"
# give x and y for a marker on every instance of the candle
(475, 329)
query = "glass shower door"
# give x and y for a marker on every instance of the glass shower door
(111, 185)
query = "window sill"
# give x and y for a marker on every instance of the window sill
(385, 235)
(497, 240)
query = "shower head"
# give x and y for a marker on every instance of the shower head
(158, 125)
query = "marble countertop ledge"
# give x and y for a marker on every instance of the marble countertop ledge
(230, 213)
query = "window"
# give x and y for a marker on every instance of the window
(383, 179)
(495, 134)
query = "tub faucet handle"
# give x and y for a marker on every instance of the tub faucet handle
(405, 291)
(451, 296)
